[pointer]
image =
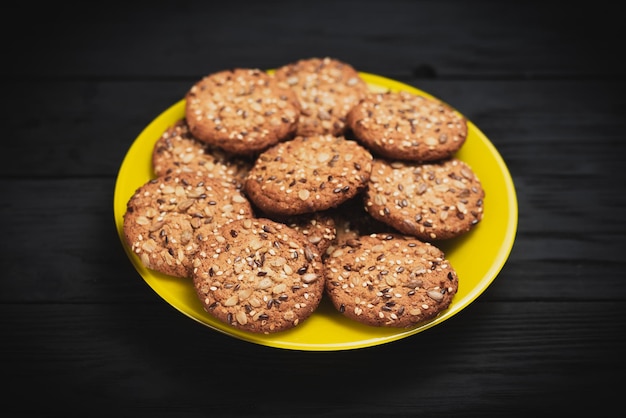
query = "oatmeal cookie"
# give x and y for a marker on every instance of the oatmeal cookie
(308, 174)
(259, 275)
(401, 125)
(390, 280)
(177, 151)
(433, 201)
(243, 110)
(168, 217)
(327, 89)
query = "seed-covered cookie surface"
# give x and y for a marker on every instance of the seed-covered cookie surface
(389, 280)
(308, 174)
(319, 228)
(327, 89)
(178, 151)
(432, 201)
(168, 217)
(401, 125)
(259, 275)
(242, 111)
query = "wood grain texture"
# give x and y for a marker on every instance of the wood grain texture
(529, 123)
(80, 328)
(150, 359)
(484, 39)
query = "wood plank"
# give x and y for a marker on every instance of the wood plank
(91, 355)
(98, 122)
(79, 128)
(448, 39)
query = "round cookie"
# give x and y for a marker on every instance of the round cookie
(177, 151)
(327, 89)
(405, 126)
(390, 280)
(259, 275)
(308, 174)
(168, 217)
(242, 110)
(434, 201)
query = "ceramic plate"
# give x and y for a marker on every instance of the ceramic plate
(326, 329)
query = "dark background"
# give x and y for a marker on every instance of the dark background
(81, 334)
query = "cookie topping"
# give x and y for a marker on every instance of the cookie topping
(431, 201)
(308, 174)
(242, 111)
(259, 275)
(327, 89)
(405, 126)
(390, 280)
(168, 217)
(177, 151)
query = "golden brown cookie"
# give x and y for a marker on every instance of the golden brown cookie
(177, 151)
(259, 275)
(390, 280)
(432, 201)
(242, 110)
(327, 89)
(405, 126)
(168, 217)
(308, 174)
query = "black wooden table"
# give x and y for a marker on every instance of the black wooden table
(81, 334)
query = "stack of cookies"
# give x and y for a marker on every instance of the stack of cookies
(278, 189)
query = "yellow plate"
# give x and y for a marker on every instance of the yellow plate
(477, 256)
